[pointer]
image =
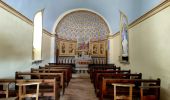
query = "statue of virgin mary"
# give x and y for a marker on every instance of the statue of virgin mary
(124, 41)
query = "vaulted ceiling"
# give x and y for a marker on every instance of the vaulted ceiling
(109, 9)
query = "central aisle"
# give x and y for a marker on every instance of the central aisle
(80, 88)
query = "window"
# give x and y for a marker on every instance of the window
(37, 36)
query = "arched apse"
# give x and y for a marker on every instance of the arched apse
(81, 22)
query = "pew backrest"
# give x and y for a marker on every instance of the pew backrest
(66, 76)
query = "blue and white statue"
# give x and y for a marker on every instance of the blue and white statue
(124, 41)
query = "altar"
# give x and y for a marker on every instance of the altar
(82, 63)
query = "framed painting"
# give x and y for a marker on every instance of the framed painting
(71, 48)
(124, 56)
(95, 49)
(102, 49)
(83, 46)
(83, 43)
(63, 48)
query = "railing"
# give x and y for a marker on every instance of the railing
(71, 60)
(66, 60)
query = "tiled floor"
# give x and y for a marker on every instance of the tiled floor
(80, 88)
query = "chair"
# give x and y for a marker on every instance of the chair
(6, 91)
(22, 89)
(123, 96)
(149, 92)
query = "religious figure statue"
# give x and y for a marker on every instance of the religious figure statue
(124, 41)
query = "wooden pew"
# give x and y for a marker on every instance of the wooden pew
(72, 66)
(59, 77)
(69, 70)
(48, 87)
(61, 64)
(94, 74)
(52, 63)
(7, 92)
(100, 76)
(136, 90)
(91, 71)
(69, 67)
(93, 66)
(43, 70)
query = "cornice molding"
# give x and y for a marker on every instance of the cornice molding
(152, 12)
(147, 15)
(114, 35)
(19, 15)
(14, 12)
(48, 33)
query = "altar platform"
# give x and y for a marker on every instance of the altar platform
(82, 63)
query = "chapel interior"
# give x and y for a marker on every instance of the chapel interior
(84, 49)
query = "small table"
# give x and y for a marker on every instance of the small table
(123, 85)
(155, 97)
(6, 82)
(22, 89)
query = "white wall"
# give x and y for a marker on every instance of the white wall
(53, 50)
(149, 49)
(15, 44)
(46, 48)
(16, 38)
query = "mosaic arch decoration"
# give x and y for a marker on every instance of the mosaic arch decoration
(82, 24)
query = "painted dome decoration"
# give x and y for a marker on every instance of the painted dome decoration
(82, 24)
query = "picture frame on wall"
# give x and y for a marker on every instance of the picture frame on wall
(98, 49)
(95, 48)
(102, 49)
(67, 48)
(124, 56)
(63, 48)
(71, 48)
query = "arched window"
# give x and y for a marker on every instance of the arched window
(37, 36)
